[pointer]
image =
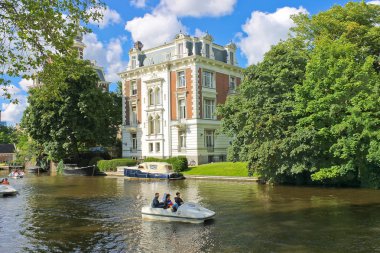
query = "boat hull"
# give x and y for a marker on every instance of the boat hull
(136, 173)
(7, 190)
(189, 212)
(81, 171)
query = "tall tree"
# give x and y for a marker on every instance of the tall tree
(69, 112)
(7, 134)
(32, 30)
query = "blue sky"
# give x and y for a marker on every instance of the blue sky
(253, 25)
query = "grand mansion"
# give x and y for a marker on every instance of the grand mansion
(170, 94)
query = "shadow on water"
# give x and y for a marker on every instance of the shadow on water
(83, 214)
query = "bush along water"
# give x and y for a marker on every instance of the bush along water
(111, 165)
(179, 163)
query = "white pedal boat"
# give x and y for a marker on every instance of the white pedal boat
(7, 190)
(188, 212)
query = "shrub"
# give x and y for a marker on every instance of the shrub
(179, 163)
(111, 165)
(95, 160)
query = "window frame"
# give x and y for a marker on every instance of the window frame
(181, 82)
(209, 135)
(211, 79)
(181, 109)
(207, 107)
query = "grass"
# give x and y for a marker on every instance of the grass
(237, 169)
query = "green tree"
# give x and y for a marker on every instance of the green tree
(7, 134)
(260, 117)
(69, 112)
(32, 30)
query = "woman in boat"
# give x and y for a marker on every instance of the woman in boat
(5, 181)
(168, 203)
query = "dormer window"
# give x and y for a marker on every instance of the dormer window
(232, 58)
(180, 50)
(133, 64)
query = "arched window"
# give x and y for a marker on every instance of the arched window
(158, 125)
(150, 125)
(158, 96)
(150, 97)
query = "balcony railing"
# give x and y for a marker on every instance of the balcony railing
(133, 150)
(210, 149)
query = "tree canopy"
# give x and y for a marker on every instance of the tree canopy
(69, 112)
(309, 113)
(32, 30)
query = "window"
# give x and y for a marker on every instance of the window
(133, 88)
(209, 106)
(150, 147)
(181, 81)
(150, 97)
(133, 115)
(232, 58)
(209, 138)
(158, 96)
(157, 125)
(157, 147)
(232, 85)
(182, 108)
(182, 139)
(208, 80)
(133, 64)
(134, 141)
(207, 50)
(150, 125)
(180, 50)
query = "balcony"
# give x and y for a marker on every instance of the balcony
(180, 124)
(133, 150)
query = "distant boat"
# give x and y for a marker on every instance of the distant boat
(74, 170)
(160, 170)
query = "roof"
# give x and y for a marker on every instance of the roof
(7, 148)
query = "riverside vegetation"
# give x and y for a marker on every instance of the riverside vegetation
(309, 113)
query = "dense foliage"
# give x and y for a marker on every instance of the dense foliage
(179, 163)
(33, 30)
(7, 134)
(111, 165)
(309, 113)
(69, 113)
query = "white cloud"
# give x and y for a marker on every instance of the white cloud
(25, 84)
(138, 3)
(154, 29)
(108, 56)
(12, 112)
(199, 33)
(109, 17)
(197, 8)
(264, 30)
(374, 2)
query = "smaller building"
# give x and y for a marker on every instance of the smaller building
(7, 153)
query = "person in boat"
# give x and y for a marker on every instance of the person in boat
(167, 203)
(156, 203)
(5, 181)
(178, 201)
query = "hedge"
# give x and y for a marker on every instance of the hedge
(179, 163)
(111, 165)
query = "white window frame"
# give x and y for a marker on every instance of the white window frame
(209, 76)
(133, 88)
(208, 108)
(181, 80)
(151, 96)
(209, 138)
(232, 84)
(150, 147)
(182, 139)
(151, 125)
(181, 109)
(133, 115)
(180, 49)
(157, 124)
(158, 147)
(134, 141)
(157, 96)
(207, 50)
(134, 61)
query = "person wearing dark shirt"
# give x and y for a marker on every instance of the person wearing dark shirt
(178, 201)
(156, 203)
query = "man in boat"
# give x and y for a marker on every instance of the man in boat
(156, 203)
(178, 201)
(5, 181)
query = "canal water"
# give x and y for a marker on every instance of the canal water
(102, 214)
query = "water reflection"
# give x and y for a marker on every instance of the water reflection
(85, 214)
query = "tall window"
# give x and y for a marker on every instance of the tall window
(158, 147)
(182, 108)
(208, 79)
(151, 147)
(181, 81)
(157, 125)
(180, 50)
(133, 88)
(150, 125)
(209, 107)
(209, 138)
(232, 85)
(133, 115)
(150, 97)
(134, 141)
(133, 65)
(158, 96)
(207, 50)
(232, 58)
(182, 139)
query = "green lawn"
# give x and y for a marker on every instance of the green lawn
(238, 169)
